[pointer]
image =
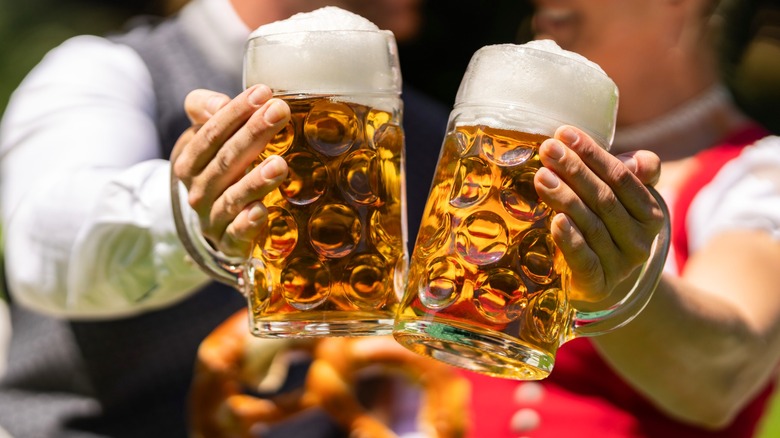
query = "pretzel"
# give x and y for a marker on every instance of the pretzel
(232, 364)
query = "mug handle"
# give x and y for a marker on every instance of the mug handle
(586, 324)
(228, 270)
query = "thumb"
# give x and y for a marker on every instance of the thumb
(201, 104)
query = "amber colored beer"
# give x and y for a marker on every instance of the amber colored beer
(484, 257)
(335, 241)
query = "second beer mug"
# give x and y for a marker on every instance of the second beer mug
(334, 251)
(487, 289)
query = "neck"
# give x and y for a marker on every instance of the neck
(690, 128)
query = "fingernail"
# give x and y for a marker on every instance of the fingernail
(564, 223)
(630, 163)
(256, 213)
(273, 167)
(214, 104)
(276, 112)
(259, 95)
(569, 136)
(547, 178)
(555, 150)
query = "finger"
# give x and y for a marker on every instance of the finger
(254, 186)
(562, 199)
(239, 235)
(628, 192)
(201, 104)
(182, 141)
(241, 150)
(644, 164)
(218, 129)
(588, 280)
(619, 201)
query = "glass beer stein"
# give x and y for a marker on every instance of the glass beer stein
(333, 253)
(487, 288)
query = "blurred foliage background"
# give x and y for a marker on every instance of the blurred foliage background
(29, 28)
(453, 30)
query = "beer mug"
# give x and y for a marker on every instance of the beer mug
(334, 252)
(487, 288)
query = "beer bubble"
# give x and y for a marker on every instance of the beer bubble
(385, 231)
(307, 179)
(400, 275)
(519, 197)
(462, 139)
(259, 281)
(547, 312)
(374, 121)
(537, 255)
(331, 128)
(472, 182)
(442, 283)
(389, 142)
(365, 280)
(500, 296)
(434, 232)
(482, 238)
(282, 234)
(357, 177)
(334, 230)
(281, 142)
(504, 150)
(305, 283)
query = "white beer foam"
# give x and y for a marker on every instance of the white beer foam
(327, 18)
(326, 51)
(536, 87)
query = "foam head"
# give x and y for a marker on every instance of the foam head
(538, 86)
(326, 51)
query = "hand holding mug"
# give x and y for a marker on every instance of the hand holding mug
(210, 159)
(605, 219)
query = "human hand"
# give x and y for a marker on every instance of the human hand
(212, 157)
(606, 219)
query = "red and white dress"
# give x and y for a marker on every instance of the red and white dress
(731, 188)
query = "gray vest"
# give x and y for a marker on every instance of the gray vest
(129, 377)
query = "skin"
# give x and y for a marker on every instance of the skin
(717, 325)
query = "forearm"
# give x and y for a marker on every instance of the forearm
(700, 353)
(98, 243)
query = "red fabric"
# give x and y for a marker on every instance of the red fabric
(583, 397)
(707, 165)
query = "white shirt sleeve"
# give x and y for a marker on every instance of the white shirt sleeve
(85, 193)
(745, 194)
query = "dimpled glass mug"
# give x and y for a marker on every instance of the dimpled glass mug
(333, 255)
(487, 288)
